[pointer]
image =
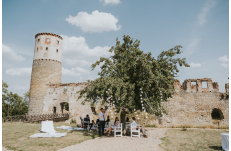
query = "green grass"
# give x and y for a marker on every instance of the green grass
(192, 140)
(15, 136)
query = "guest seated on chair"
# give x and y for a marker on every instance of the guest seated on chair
(127, 119)
(116, 124)
(86, 119)
(92, 125)
(108, 119)
(141, 127)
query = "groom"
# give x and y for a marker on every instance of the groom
(101, 122)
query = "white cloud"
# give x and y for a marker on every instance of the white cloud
(192, 46)
(7, 53)
(195, 65)
(78, 62)
(74, 71)
(94, 22)
(21, 87)
(19, 71)
(204, 11)
(112, 2)
(223, 59)
(77, 52)
(225, 65)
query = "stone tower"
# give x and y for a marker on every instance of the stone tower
(46, 68)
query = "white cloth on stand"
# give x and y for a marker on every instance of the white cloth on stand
(47, 126)
(225, 141)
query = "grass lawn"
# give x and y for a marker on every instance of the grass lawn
(15, 136)
(193, 140)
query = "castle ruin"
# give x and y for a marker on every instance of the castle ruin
(192, 104)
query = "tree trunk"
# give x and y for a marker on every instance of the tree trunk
(122, 119)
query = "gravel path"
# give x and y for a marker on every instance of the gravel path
(122, 144)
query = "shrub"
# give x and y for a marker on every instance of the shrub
(73, 121)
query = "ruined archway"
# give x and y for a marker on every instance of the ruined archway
(217, 114)
(64, 107)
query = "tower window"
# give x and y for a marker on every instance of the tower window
(48, 40)
(38, 40)
(57, 42)
(46, 48)
(57, 50)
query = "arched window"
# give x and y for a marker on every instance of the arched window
(217, 114)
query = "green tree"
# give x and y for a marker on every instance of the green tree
(128, 71)
(66, 106)
(12, 103)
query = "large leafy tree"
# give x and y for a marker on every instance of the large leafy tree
(128, 71)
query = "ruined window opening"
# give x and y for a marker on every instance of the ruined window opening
(65, 88)
(57, 42)
(57, 50)
(217, 114)
(204, 84)
(54, 110)
(46, 48)
(38, 40)
(48, 40)
(193, 83)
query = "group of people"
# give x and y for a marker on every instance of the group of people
(101, 122)
(116, 124)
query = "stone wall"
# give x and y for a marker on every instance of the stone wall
(44, 71)
(57, 94)
(194, 105)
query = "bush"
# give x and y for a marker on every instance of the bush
(73, 121)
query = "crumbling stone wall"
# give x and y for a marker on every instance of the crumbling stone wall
(56, 94)
(193, 105)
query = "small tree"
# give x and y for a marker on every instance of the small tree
(130, 74)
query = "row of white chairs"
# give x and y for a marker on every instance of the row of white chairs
(128, 127)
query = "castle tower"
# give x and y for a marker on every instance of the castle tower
(46, 68)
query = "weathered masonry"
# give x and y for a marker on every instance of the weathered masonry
(197, 102)
(197, 105)
(47, 93)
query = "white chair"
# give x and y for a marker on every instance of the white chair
(118, 129)
(135, 130)
(106, 126)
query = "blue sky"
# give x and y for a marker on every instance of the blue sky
(200, 26)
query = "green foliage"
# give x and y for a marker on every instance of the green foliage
(73, 121)
(130, 69)
(12, 103)
(66, 106)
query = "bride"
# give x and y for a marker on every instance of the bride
(116, 124)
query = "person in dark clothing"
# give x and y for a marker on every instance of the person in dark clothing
(86, 119)
(108, 119)
(127, 119)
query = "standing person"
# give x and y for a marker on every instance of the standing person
(101, 122)
(136, 125)
(25, 117)
(108, 119)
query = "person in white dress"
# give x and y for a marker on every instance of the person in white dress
(116, 124)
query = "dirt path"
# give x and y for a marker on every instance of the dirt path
(122, 144)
